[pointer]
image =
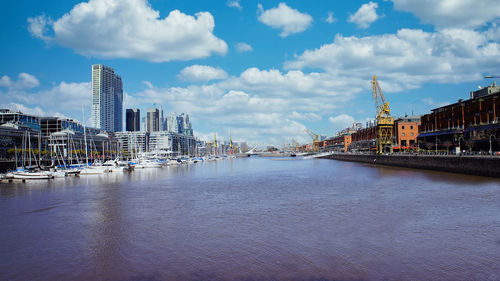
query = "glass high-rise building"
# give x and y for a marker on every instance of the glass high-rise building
(153, 120)
(107, 99)
(133, 120)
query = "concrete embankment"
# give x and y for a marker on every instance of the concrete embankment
(472, 165)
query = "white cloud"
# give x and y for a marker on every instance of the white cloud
(24, 109)
(67, 96)
(130, 101)
(60, 115)
(287, 19)
(330, 18)
(305, 116)
(5, 81)
(407, 59)
(366, 15)
(201, 73)
(63, 98)
(147, 83)
(234, 4)
(130, 29)
(243, 47)
(24, 81)
(264, 105)
(451, 13)
(39, 26)
(431, 102)
(261, 105)
(340, 122)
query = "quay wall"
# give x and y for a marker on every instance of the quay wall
(473, 165)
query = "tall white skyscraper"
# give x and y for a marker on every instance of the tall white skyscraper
(107, 98)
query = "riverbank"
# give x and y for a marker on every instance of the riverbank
(472, 165)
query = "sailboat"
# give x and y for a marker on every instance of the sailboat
(94, 169)
(29, 172)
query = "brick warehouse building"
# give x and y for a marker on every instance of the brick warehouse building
(363, 140)
(406, 130)
(338, 143)
(472, 125)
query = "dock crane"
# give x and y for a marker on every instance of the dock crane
(385, 122)
(215, 145)
(315, 138)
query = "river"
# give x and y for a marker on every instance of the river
(253, 219)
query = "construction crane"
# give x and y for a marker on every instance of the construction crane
(315, 138)
(295, 145)
(215, 144)
(385, 122)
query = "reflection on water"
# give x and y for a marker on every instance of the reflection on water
(253, 219)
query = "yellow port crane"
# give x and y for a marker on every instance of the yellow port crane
(385, 122)
(315, 138)
(295, 145)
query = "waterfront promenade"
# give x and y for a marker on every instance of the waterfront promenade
(253, 219)
(481, 165)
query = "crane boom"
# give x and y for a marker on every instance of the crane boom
(315, 138)
(385, 122)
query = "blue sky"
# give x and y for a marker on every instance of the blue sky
(265, 70)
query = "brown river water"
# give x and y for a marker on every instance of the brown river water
(253, 219)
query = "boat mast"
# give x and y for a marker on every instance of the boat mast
(40, 149)
(15, 155)
(85, 138)
(29, 147)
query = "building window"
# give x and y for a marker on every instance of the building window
(403, 127)
(411, 127)
(403, 134)
(411, 134)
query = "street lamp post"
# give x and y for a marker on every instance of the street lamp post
(437, 145)
(491, 150)
(460, 145)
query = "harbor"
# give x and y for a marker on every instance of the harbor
(247, 140)
(253, 219)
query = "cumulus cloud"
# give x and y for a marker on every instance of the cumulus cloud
(340, 122)
(24, 81)
(201, 73)
(261, 104)
(147, 83)
(451, 13)
(264, 104)
(305, 116)
(5, 81)
(287, 19)
(243, 47)
(24, 109)
(330, 18)
(407, 59)
(234, 4)
(365, 16)
(130, 29)
(63, 98)
(39, 26)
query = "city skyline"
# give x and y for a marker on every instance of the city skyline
(264, 70)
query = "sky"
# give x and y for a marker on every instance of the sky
(263, 70)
